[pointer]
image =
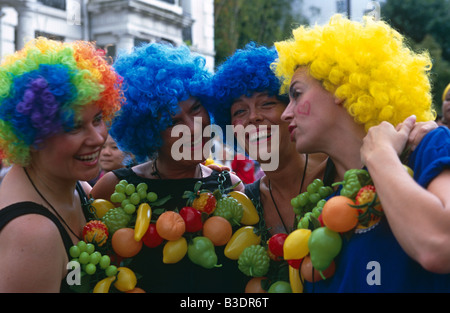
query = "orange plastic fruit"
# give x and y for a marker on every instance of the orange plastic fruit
(124, 244)
(170, 225)
(218, 230)
(339, 215)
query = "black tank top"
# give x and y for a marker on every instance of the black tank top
(15, 210)
(174, 187)
(184, 276)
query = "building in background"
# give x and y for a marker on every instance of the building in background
(320, 11)
(113, 24)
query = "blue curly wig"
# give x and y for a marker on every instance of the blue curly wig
(157, 77)
(245, 72)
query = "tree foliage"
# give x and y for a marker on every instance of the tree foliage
(426, 25)
(238, 22)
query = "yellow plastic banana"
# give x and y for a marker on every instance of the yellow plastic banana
(295, 280)
(104, 285)
(144, 214)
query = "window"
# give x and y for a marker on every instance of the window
(57, 4)
(168, 1)
(166, 41)
(140, 41)
(187, 35)
(343, 7)
(48, 35)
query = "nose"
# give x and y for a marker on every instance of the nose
(96, 135)
(255, 116)
(106, 151)
(287, 114)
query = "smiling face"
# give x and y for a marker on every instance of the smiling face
(74, 155)
(312, 113)
(192, 120)
(258, 114)
(111, 157)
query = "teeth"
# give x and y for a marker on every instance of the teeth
(89, 157)
(259, 135)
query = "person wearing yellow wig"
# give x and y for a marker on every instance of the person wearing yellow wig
(355, 91)
(445, 119)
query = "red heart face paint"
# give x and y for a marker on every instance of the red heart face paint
(304, 108)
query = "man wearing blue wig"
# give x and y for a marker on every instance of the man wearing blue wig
(166, 87)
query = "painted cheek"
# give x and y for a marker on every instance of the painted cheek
(304, 108)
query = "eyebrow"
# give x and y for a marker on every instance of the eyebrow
(291, 89)
(197, 102)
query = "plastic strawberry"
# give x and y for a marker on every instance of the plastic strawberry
(95, 231)
(368, 204)
(201, 199)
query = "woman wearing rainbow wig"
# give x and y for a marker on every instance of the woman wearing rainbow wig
(166, 88)
(355, 91)
(55, 98)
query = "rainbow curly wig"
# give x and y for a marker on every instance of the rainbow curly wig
(366, 64)
(245, 72)
(156, 78)
(43, 89)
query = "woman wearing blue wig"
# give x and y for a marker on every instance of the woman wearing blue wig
(246, 92)
(166, 87)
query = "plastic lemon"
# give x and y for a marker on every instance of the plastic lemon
(296, 244)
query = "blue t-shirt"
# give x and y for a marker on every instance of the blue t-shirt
(373, 261)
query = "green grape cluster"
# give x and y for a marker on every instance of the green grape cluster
(91, 260)
(307, 200)
(130, 196)
(308, 205)
(310, 220)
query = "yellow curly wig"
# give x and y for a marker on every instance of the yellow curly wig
(367, 64)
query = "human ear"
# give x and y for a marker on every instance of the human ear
(338, 101)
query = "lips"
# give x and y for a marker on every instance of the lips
(88, 158)
(291, 129)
